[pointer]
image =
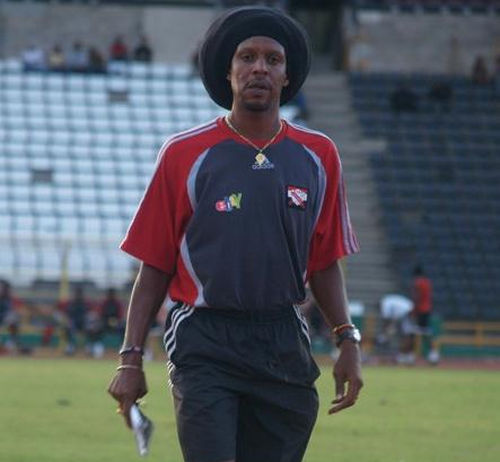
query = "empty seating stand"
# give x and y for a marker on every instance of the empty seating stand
(439, 187)
(76, 153)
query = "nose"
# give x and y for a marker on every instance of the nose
(260, 66)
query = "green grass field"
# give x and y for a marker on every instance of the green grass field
(58, 411)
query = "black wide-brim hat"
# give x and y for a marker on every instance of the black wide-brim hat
(238, 24)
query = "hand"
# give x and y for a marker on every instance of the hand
(127, 386)
(347, 370)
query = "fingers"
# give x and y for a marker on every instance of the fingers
(345, 400)
(127, 388)
(339, 388)
(124, 410)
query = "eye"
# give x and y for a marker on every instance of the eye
(274, 59)
(246, 57)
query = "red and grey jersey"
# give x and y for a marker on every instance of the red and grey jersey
(240, 230)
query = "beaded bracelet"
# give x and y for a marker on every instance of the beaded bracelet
(341, 327)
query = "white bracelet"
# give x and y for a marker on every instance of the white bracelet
(129, 366)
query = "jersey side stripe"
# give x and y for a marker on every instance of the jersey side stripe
(186, 258)
(350, 243)
(191, 179)
(321, 183)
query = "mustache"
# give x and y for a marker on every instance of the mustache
(262, 84)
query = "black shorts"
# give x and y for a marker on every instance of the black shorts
(243, 384)
(423, 320)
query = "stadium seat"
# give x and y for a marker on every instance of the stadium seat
(434, 184)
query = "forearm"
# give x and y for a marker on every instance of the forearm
(329, 291)
(148, 294)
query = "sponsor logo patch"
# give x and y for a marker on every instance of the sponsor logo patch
(229, 203)
(297, 197)
(262, 162)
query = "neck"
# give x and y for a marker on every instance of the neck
(255, 125)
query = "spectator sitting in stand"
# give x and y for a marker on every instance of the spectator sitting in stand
(143, 51)
(96, 61)
(403, 99)
(93, 333)
(112, 313)
(441, 93)
(77, 59)
(56, 60)
(9, 316)
(76, 310)
(479, 74)
(34, 59)
(118, 50)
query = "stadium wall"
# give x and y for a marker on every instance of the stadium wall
(420, 42)
(173, 31)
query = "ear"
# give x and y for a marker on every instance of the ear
(228, 75)
(286, 82)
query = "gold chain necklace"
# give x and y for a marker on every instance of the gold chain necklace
(259, 150)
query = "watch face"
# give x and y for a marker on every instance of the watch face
(351, 334)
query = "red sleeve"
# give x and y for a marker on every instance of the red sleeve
(156, 229)
(333, 237)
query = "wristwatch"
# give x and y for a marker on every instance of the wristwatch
(351, 334)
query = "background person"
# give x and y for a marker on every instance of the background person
(112, 313)
(77, 59)
(33, 59)
(422, 310)
(118, 50)
(143, 51)
(9, 316)
(479, 72)
(56, 59)
(76, 310)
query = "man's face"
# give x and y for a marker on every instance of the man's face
(258, 73)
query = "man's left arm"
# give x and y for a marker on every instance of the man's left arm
(329, 291)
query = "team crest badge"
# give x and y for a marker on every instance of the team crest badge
(297, 197)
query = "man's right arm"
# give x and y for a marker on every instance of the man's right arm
(148, 294)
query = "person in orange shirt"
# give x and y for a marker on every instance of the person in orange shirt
(422, 298)
(422, 310)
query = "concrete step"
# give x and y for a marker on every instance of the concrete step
(369, 274)
(329, 97)
(319, 82)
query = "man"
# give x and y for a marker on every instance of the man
(240, 213)
(76, 310)
(112, 312)
(422, 313)
(422, 298)
(397, 327)
(143, 51)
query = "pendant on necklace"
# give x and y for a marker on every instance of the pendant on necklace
(260, 158)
